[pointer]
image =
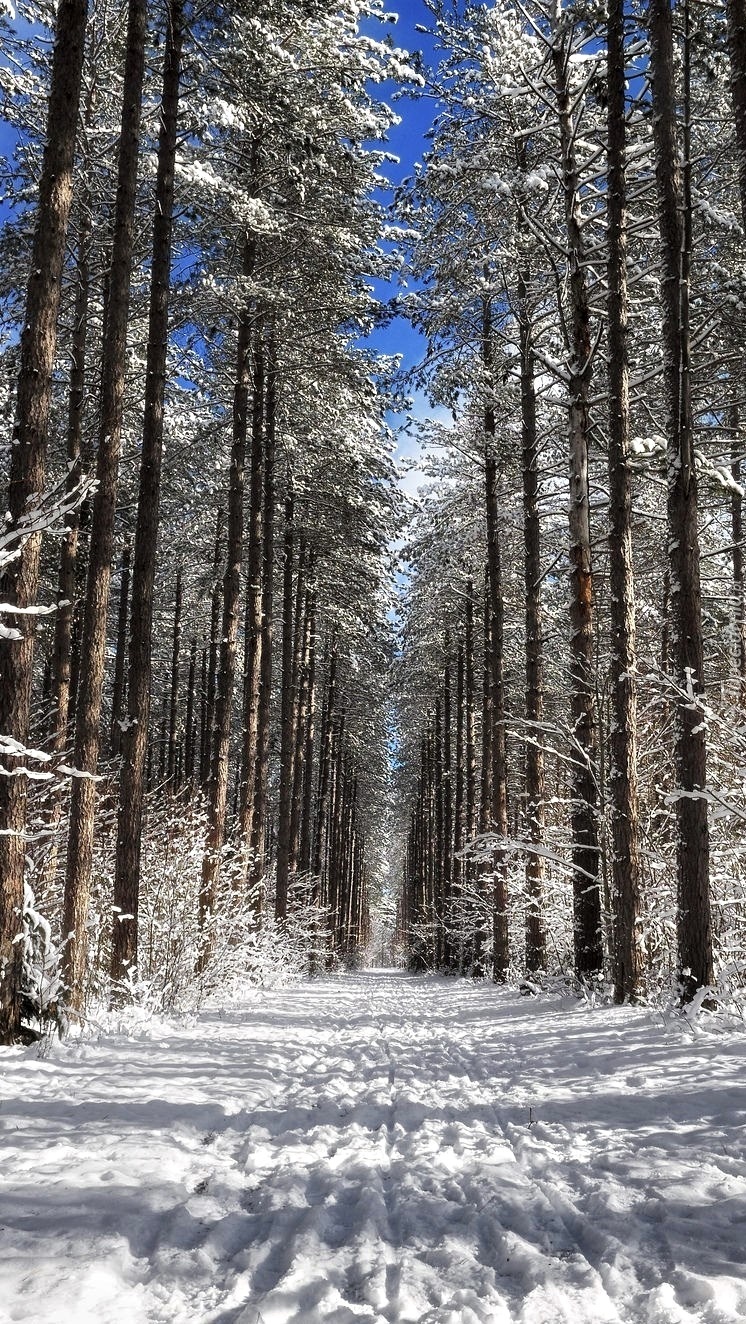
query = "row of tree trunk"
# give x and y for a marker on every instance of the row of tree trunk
(440, 881)
(318, 835)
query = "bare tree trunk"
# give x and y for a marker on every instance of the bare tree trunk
(253, 628)
(19, 585)
(588, 936)
(476, 938)
(299, 681)
(162, 741)
(305, 682)
(438, 843)
(498, 781)
(336, 811)
(486, 798)
(218, 786)
(258, 825)
(117, 693)
(67, 580)
(286, 720)
(213, 652)
(459, 807)
(325, 766)
(536, 956)
(304, 860)
(449, 947)
(175, 661)
(204, 730)
(470, 762)
(135, 744)
(625, 861)
(95, 619)
(674, 208)
(190, 735)
(736, 18)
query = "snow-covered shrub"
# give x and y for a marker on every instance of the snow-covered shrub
(41, 987)
(239, 950)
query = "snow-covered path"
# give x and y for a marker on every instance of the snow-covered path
(378, 1148)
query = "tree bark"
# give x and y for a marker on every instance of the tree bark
(625, 861)
(259, 820)
(69, 568)
(304, 857)
(588, 937)
(213, 652)
(67, 579)
(117, 694)
(174, 697)
(135, 744)
(217, 798)
(20, 583)
(286, 719)
(305, 700)
(449, 946)
(93, 648)
(534, 759)
(735, 11)
(253, 624)
(325, 768)
(190, 734)
(674, 212)
(475, 940)
(497, 783)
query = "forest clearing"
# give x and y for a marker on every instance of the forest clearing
(378, 1148)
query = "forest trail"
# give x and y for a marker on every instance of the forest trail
(379, 1148)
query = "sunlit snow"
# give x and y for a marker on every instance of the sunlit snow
(378, 1148)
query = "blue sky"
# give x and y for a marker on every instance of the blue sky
(407, 142)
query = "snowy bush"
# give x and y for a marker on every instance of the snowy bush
(241, 950)
(41, 987)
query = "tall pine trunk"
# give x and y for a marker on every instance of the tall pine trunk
(120, 660)
(536, 956)
(261, 788)
(287, 743)
(587, 928)
(135, 743)
(76, 449)
(217, 792)
(19, 585)
(498, 781)
(213, 653)
(95, 617)
(253, 624)
(736, 20)
(78, 460)
(625, 861)
(674, 212)
(174, 695)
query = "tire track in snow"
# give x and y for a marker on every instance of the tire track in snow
(518, 1267)
(637, 1269)
(482, 1220)
(568, 1232)
(356, 1152)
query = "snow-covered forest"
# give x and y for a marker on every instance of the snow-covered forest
(317, 655)
(254, 695)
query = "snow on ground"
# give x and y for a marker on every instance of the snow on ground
(378, 1148)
